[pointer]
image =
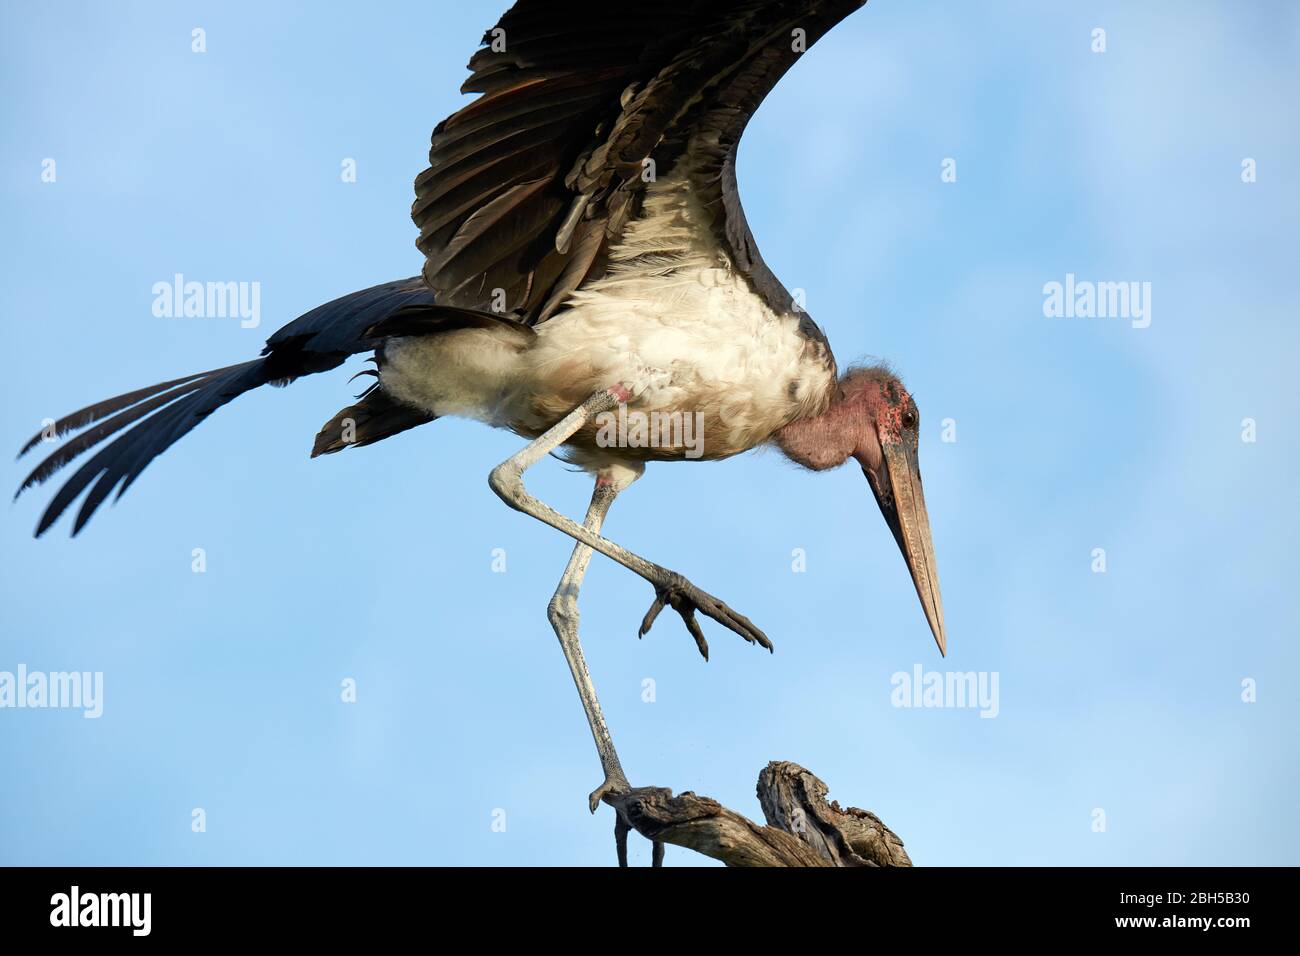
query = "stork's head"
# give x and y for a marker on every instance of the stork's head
(875, 421)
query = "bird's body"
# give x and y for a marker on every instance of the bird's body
(589, 282)
(671, 313)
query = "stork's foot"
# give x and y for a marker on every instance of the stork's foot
(614, 786)
(685, 598)
(610, 792)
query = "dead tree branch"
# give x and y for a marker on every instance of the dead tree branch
(803, 829)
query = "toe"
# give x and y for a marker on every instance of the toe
(693, 625)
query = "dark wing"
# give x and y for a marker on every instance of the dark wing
(149, 420)
(529, 185)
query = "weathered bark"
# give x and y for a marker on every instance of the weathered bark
(802, 829)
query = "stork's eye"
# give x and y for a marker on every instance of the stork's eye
(909, 419)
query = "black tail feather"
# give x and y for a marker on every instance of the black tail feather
(93, 413)
(106, 427)
(375, 417)
(149, 420)
(124, 459)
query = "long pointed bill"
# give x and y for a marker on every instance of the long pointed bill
(903, 505)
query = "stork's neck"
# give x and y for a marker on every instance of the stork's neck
(822, 441)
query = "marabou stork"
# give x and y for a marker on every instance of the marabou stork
(585, 249)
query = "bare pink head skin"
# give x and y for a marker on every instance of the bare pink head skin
(874, 420)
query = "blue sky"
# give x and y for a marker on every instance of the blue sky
(1119, 691)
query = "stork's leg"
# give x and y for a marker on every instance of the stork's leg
(564, 616)
(671, 589)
